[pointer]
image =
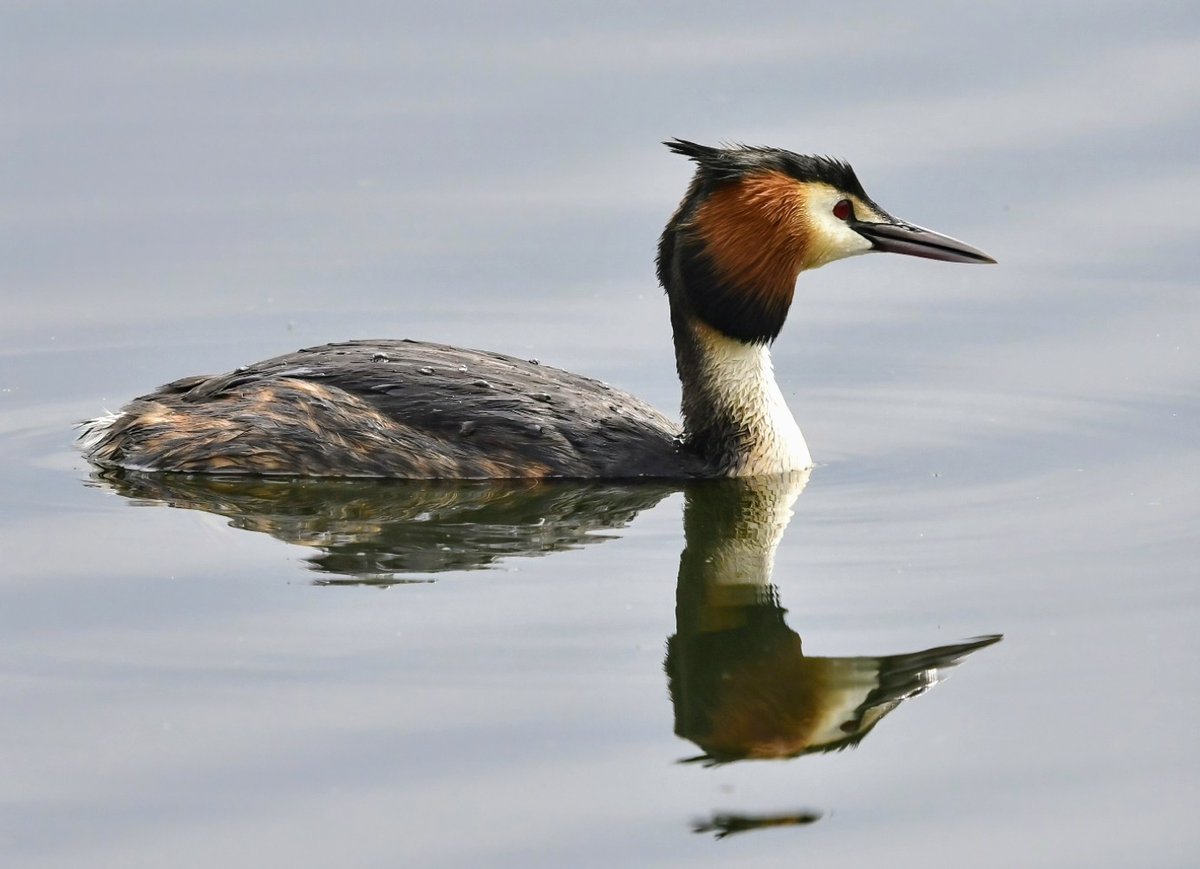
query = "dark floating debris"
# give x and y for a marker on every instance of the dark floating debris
(723, 824)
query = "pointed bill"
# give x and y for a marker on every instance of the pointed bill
(913, 240)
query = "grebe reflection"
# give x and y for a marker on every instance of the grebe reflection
(737, 676)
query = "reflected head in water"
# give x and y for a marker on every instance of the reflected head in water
(740, 683)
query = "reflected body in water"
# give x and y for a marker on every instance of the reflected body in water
(381, 532)
(741, 686)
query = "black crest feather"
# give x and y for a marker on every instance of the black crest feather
(736, 161)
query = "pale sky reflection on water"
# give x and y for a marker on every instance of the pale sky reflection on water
(1008, 449)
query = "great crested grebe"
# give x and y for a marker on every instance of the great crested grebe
(752, 219)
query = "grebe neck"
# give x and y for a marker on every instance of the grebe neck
(733, 411)
(728, 260)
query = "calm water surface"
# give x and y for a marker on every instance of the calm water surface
(244, 674)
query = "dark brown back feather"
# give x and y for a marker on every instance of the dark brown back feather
(396, 408)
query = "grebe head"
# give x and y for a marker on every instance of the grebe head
(754, 218)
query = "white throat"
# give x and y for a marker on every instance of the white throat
(741, 380)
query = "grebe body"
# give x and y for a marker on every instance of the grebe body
(751, 221)
(395, 409)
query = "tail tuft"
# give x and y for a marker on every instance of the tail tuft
(92, 432)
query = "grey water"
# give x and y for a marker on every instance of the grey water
(233, 673)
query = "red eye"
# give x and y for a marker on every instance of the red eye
(843, 210)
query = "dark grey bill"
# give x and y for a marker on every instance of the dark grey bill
(916, 241)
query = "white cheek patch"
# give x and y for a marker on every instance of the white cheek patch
(830, 238)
